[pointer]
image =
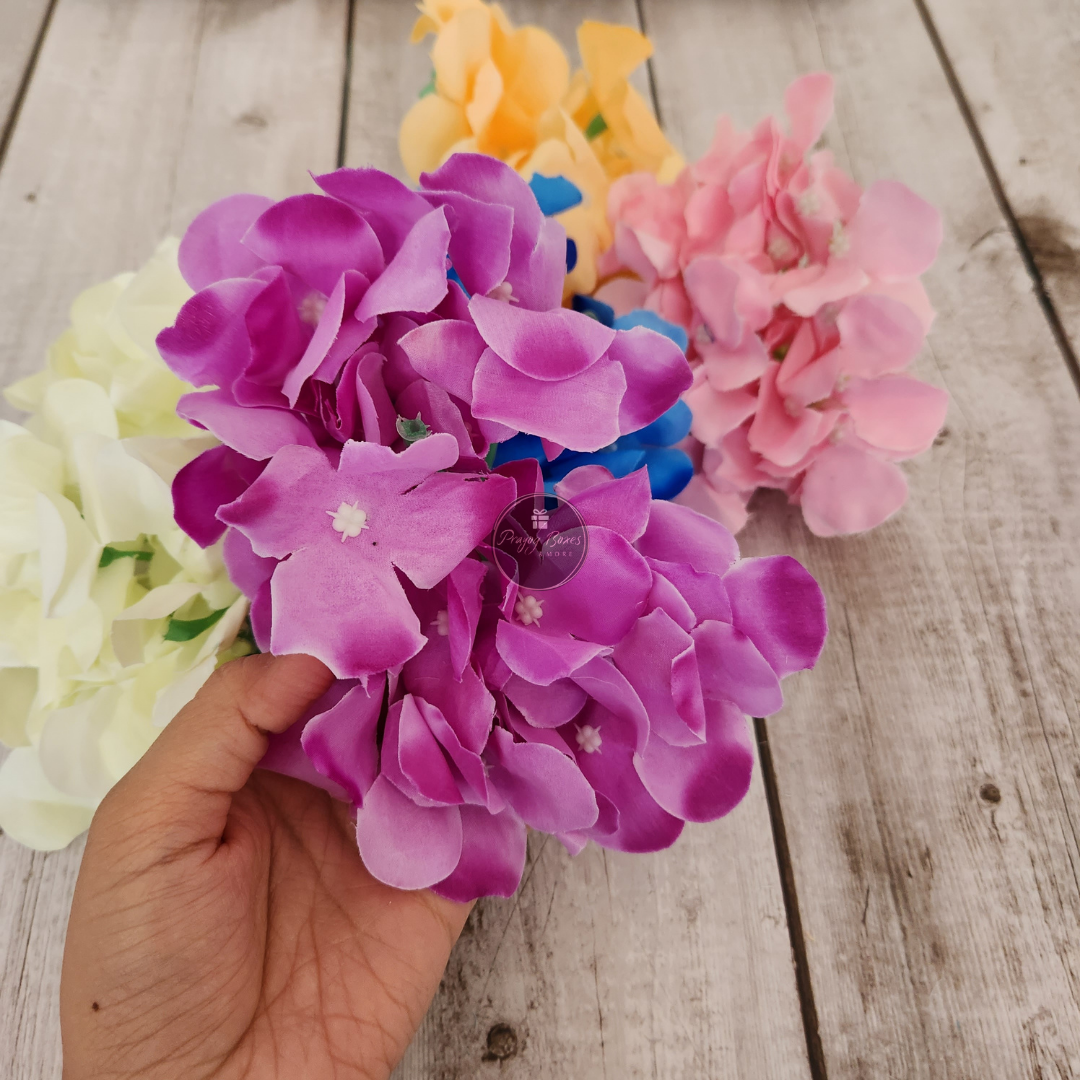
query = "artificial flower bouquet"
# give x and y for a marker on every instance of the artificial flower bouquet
(433, 435)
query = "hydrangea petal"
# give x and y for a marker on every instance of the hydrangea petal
(492, 856)
(405, 845)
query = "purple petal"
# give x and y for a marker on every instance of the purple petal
(405, 845)
(492, 856)
(387, 204)
(341, 742)
(464, 511)
(480, 235)
(544, 787)
(580, 412)
(546, 345)
(702, 783)
(463, 603)
(732, 669)
(657, 657)
(604, 599)
(609, 687)
(344, 296)
(421, 757)
(642, 824)
(247, 571)
(415, 280)
(208, 345)
(620, 505)
(681, 535)
(548, 706)
(446, 352)
(704, 593)
(215, 477)
(539, 658)
(257, 433)
(211, 248)
(362, 624)
(317, 239)
(779, 606)
(656, 374)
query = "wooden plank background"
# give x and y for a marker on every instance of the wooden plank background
(922, 786)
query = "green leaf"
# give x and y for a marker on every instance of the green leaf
(109, 555)
(597, 126)
(186, 629)
(412, 430)
(430, 88)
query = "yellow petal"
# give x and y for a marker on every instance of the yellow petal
(460, 50)
(535, 69)
(487, 92)
(429, 129)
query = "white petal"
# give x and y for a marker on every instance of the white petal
(176, 695)
(32, 811)
(69, 556)
(70, 746)
(18, 687)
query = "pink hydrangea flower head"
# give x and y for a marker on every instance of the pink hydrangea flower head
(801, 296)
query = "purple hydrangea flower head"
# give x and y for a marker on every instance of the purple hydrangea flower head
(325, 318)
(612, 708)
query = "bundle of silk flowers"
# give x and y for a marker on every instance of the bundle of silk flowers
(296, 431)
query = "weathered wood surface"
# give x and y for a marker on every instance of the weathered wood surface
(140, 112)
(928, 771)
(673, 965)
(21, 25)
(1017, 66)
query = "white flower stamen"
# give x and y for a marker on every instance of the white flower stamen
(528, 610)
(442, 624)
(349, 520)
(503, 291)
(312, 307)
(588, 738)
(839, 245)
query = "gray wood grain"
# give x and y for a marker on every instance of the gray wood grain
(608, 965)
(928, 770)
(21, 24)
(1019, 69)
(139, 114)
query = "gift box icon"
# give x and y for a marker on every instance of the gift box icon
(540, 520)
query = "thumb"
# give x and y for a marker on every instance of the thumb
(181, 790)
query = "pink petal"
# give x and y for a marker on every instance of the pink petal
(256, 433)
(897, 413)
(446, 352)
(539, 658)
(679, 534)
(733, 670)
(895, 234)
(656, 374)
(809, 104)
(847, 490)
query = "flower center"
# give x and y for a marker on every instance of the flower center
(312, 307)
(349, 520)
(588, 738)
(442, 624)
(528, 609)
(503, 291)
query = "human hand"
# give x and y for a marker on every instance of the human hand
(223, 924)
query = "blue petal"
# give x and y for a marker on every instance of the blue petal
(571, 254)
(520, 446)
(554, 193)
(669, 471)
(452, 275)
(600, 311)
(649, 319)
(668, 429)
(617, 462)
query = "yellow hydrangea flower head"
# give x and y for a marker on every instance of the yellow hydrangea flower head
(110, 616)
(508, 93)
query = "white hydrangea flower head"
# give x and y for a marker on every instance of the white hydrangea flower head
(111, 618)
